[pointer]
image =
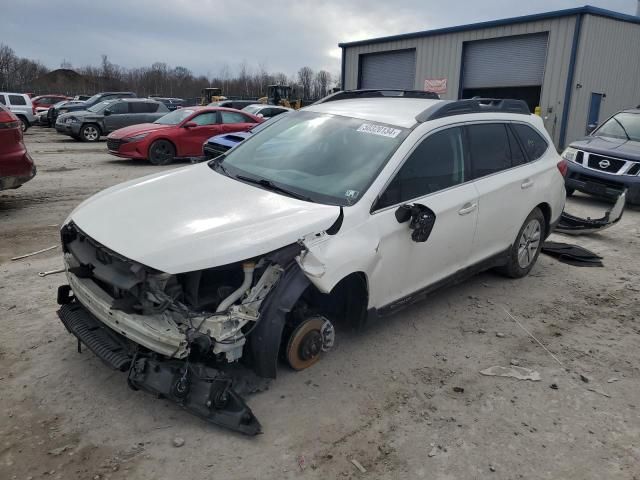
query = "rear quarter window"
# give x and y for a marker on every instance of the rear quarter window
(533, 143)
(17, 100)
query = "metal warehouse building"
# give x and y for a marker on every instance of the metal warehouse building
(579, 65)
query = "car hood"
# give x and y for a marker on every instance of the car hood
(138, 129)
(229, 139)
(615, 147)
(194, 218)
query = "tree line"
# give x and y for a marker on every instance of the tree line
(245, 81)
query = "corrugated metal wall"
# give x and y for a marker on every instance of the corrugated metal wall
(440, 56)
(608, 62)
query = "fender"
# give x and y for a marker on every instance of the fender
(264, 342)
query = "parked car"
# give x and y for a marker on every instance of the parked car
(82, 98)
(46, 101)
(170, 102)
(265, 111)
(221, 144)
(16, 165)
(105, 117)
(95, 99)
(20, 104)
(346, 210)
(45, 118)
(235, 104)
(179, 134)
(608, 160)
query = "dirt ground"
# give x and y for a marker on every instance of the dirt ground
(386, 397)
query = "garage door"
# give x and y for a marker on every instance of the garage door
(388, 70)
(505, 62)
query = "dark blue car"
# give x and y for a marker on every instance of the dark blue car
(608, 160)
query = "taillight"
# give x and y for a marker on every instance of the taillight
(563, 166)
(8, 120)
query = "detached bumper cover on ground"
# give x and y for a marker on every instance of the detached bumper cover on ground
(204, 391)
(572, 225)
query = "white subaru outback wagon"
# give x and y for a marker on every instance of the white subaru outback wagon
(198, 280)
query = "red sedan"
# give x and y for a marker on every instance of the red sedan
(16, 166)
(45, 101)
(179, 134)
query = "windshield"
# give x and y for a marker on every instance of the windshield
(175, 117)
(252, 108)
(622, 125)
(95, 98)
(328, 158)
(99, 107)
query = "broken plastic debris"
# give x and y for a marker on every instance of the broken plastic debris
(520, 373)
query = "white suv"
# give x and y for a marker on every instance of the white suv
(348, 209)
(21, 106)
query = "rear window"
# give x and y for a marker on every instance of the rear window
(17, 100)
(532, 142)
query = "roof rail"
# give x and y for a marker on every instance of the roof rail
(377, 93)
(473, 105)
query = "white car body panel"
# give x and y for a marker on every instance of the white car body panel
(194, 218)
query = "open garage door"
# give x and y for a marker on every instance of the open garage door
(388, 70)
(511, 67)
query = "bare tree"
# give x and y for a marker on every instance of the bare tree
(305, 79)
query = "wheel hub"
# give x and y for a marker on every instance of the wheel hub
(312, 337)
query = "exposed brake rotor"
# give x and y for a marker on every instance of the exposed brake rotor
(309, 339)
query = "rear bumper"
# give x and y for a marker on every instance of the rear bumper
(602, 184)
(15, 181)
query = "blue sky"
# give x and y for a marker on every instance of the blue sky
(207, 35)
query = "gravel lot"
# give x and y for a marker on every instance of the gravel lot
(385, 397)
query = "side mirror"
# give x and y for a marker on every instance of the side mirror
(422, 220)
(591, 127)
(107, 113)
(260, 115)
(190, 125)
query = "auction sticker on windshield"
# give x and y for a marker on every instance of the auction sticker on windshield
(379, 130)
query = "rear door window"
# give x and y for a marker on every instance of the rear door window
(143, 107)
(118, 108)
(489, 148)
(17, 100)
(533, 143)
(233, 117)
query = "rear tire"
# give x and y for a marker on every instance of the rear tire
(570, 191)
(526, 247)
(161, 152)
(90, 132)
(25, 124)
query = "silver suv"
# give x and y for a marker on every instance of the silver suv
(21, 106)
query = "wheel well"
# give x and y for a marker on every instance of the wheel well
(166, 140)
(346, 303)
(23, 117)
(546, 212)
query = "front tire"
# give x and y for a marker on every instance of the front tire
(161, 152)
(526, 248)
(90, 133)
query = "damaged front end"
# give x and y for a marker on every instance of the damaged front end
(181, 336)
(573, 225)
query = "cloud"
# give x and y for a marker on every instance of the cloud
(206, 35)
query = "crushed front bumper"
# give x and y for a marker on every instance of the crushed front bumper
(200, 389)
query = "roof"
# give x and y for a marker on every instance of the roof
(391, 110)
(587, 9)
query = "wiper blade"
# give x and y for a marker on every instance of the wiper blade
(217, 165)
(268, 184)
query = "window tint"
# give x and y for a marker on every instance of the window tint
(437, 163)
(532, 142)
(517, 156)
(17, 100)
(209, 118)
(142, 107)
(2, 100)
(489, 148)
(233, 117)
(118, 108)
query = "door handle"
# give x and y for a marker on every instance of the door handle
(467, 208)
(526, 184)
